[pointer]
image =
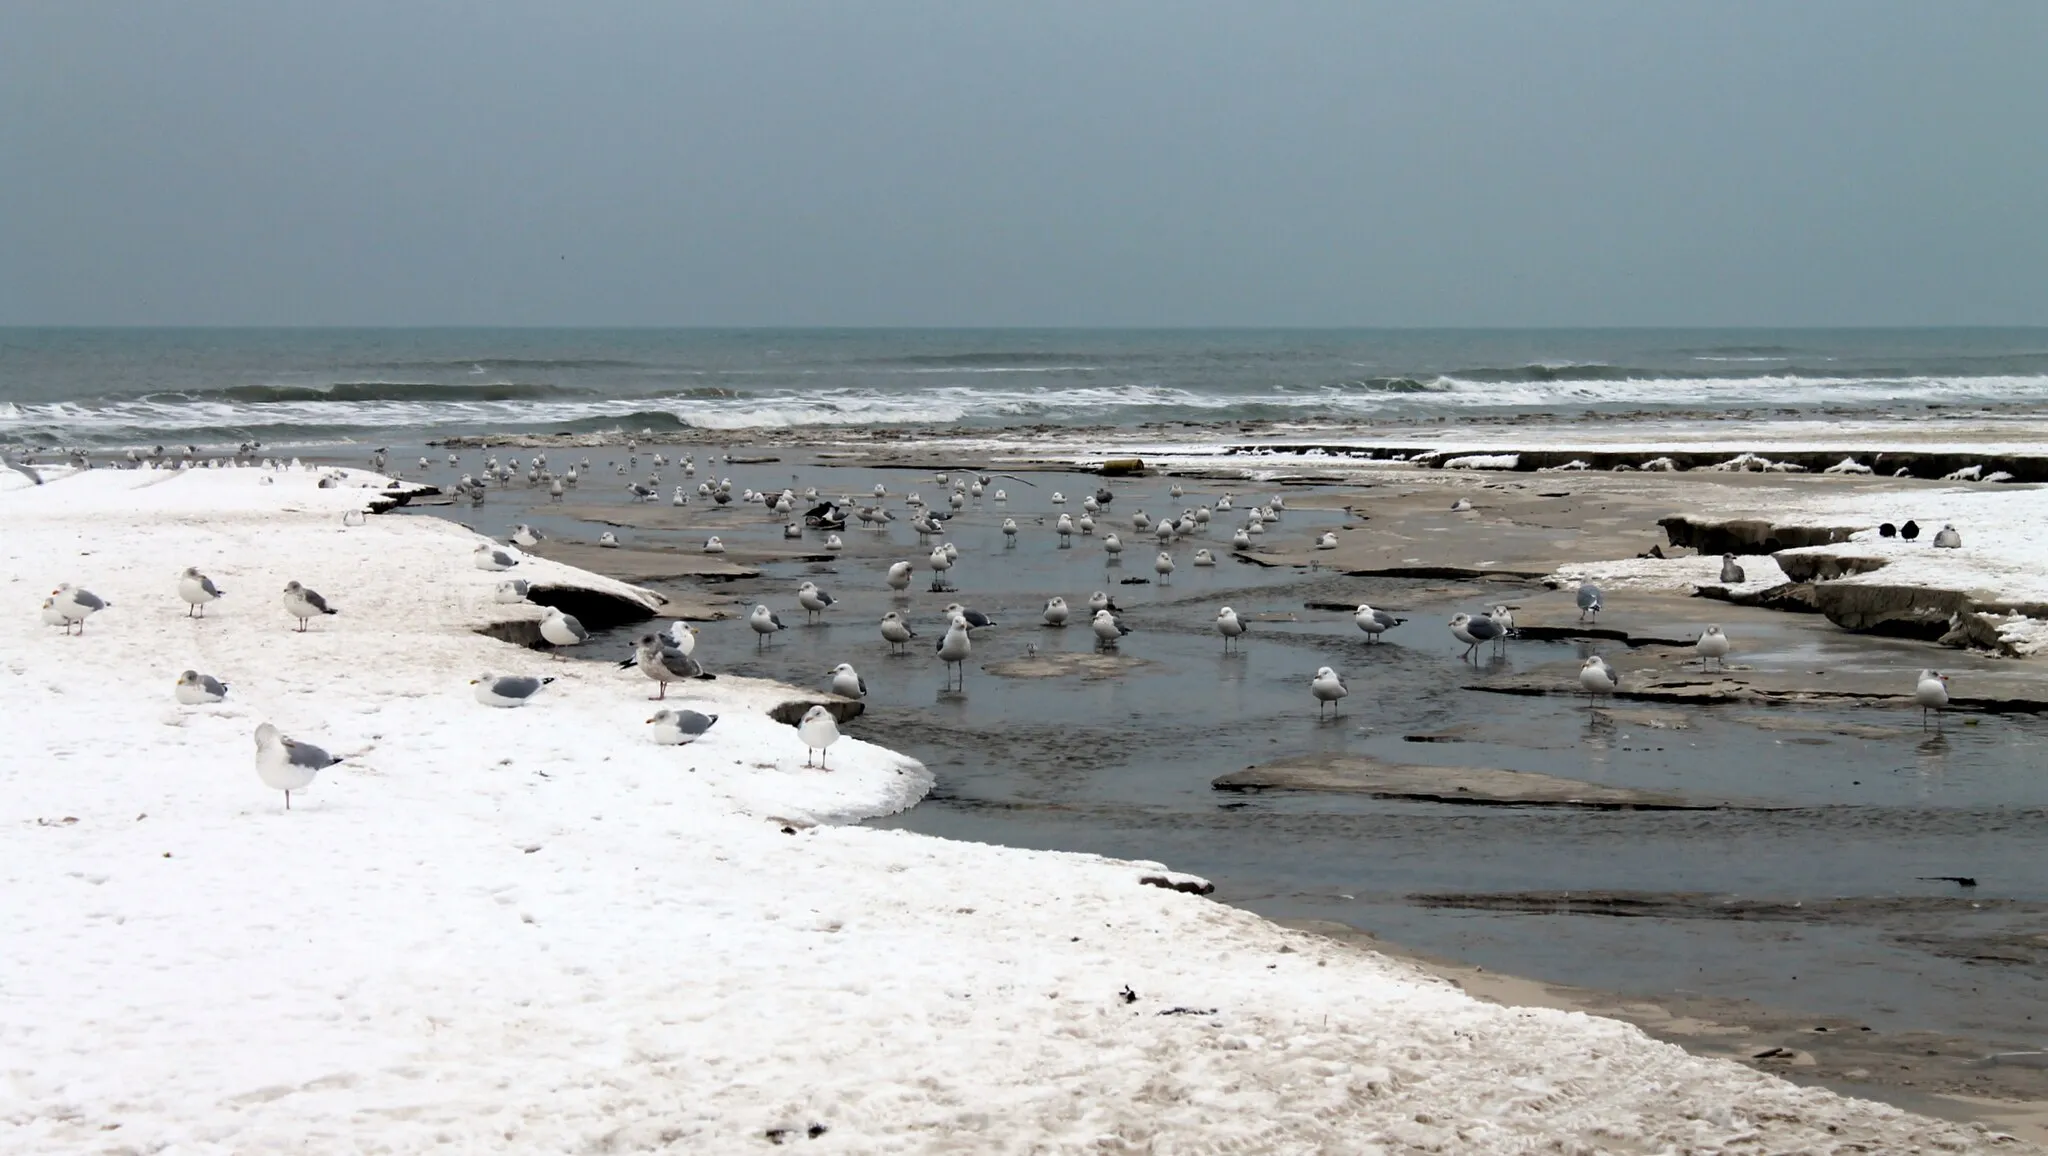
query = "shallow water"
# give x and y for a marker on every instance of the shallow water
(1122, 766)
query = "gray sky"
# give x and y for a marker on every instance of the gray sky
(1041, 163)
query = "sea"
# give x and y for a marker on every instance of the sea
(111, 388)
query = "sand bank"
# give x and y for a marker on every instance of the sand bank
(533, 930)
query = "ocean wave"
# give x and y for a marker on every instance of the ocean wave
(987, 359)
(382, 410)
(358, 391)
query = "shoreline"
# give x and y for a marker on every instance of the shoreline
(449, 943)
(1921, 1072)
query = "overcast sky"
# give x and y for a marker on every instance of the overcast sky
(1024, 163)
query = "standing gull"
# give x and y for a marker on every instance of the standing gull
(304, 604)
(1229, 625)
(1589, 601)
(1375, 622)
(763, 623)
(1931, 694)
(1472, 630)
(1596, 677)
(664, 664)
(941, 561)
(818, 731)
(1056, 611)
(287, 764)
(674, 728)
(1108, 628)
(197, 589)
(813, 600)
(75, 605)
(953, 650)
(1163, 566)
(561, 629)
(899, 576)
(196, 689)
(1712, 644)
(1328, 686)
(895, 631)
(506, 690)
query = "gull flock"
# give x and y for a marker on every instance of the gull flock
(666, 657)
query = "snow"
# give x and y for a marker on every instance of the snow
(1674, 575)
(534, 930)
(1484, 462)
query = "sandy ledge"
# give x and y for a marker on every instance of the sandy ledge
(533, 930)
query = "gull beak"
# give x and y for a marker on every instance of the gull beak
(474, 681)
(649, 720)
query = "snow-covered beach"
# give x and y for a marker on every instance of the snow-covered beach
(534, 930)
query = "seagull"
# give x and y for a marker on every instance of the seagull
(1589, 601)
(975, 619)
(508, 690)
(1946, 538)
(1328, 686)
(304, 604)
(1910, 530)
(1163, 565)
(1229, 625)
(1505, 619)
(818, 731)
(896, 631)
(524, 536)
(1731, 574)
(608, 540)
(1375, 622)
(1058, 499)
(1713, 644)
(833, 543)
(763, 622)
(813, 600)
(489, 557)
(1086, 525)
(1473, 629)
(663, 663)
(674, 728)
(1461, 505)
(1931, 692)
(941, 561)
(712, 545)
(286, 764)
(75, 605)
(1009, 531)
(1139, 522)
(1101, 601)
(847, 682)
(899, 575)
(679, 498)
(1065, 529)
(1203, 557)
(196, 689)
(197, 589)
(640, 492)
(53, 616)
(561, 629)
(1113, 544)
(513, 590)
(1596, 677)
(1056, 611)
(1108, 628)
(1328, 541)
(682, 636)
(954, 648)
(1241, 539)
(793, 530)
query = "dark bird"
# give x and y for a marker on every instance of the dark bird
(1887, 530)
(1909, 531)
